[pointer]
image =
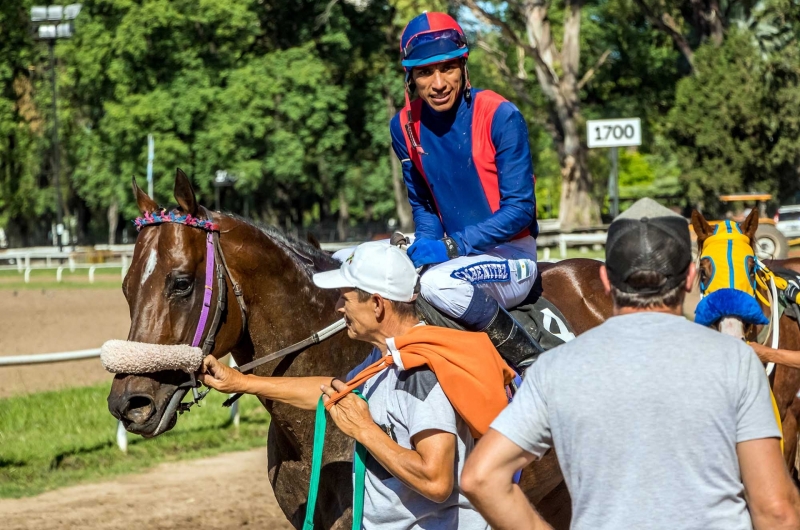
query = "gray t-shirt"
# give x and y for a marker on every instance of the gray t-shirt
(644, 413)
(404, 403)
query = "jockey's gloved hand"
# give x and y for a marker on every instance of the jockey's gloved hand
(431, 251)
(792, 293)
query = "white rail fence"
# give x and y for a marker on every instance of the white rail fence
(21, 259)
(44, 358)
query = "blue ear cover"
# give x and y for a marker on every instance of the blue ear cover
(729, 303)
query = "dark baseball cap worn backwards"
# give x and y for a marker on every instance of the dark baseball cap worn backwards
(648, 237)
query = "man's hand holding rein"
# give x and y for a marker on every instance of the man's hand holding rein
(351, 413)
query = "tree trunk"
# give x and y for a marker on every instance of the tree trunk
(557, 73)
(402, 206)
(577, 206)
(344, 217)
(113, 221)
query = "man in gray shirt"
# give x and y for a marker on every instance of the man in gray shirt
(658, 423)
(416, 442)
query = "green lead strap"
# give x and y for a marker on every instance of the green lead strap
(320, 422)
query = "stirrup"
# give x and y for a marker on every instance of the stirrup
(512, 341)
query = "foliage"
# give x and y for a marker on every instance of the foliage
(294, 98)
(736, 125)
(33, 460)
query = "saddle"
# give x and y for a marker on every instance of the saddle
(540, 318)
(788, 306)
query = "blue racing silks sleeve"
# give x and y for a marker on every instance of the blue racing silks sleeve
(423, 206)
(516, 184)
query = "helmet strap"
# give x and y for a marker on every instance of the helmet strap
(410, 123)
(467, 84)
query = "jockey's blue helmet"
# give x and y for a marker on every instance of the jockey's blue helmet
(432, 38)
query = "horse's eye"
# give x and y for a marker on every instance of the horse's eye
(181, 285)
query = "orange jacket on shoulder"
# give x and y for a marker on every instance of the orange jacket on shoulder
(469, 369)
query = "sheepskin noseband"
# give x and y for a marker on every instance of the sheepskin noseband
(125, 357)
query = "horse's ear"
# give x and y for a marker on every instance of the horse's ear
(143, 200)
(313, 241)
(702, 228)
(184, 193)
(750, 225)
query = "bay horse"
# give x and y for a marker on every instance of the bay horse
(164, 290)
(785, 381)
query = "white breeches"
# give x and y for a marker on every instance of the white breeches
(506, 272)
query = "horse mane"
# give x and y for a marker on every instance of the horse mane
(310, 258)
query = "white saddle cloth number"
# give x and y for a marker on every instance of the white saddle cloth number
(563, 332)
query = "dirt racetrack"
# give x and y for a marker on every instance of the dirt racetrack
(55, 320)
(224, 492)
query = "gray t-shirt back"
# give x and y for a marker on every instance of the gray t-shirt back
(645, 412)
(404, 403)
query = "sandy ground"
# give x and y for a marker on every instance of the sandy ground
(228, 491)
(57, 320)
(224, 492)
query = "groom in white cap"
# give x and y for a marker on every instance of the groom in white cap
(416, 442)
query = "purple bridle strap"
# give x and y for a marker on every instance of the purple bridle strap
(207, 282)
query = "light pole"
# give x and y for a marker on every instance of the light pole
(222, 179)
(49, 23)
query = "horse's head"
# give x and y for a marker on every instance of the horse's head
(727, 274)
(164, 288)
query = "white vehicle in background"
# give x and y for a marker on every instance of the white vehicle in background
(787, 220)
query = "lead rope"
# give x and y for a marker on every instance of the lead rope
(774, 330)
(360, 471)
(773, 323)
(773, 303)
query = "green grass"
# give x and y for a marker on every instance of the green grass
(53, 439)
(573, 253)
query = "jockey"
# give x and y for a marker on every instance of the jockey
(467, 166)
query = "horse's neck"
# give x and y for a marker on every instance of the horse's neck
(284, 306)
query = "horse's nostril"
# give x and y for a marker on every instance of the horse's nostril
(139, 409)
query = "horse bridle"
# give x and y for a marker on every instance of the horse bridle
(217, 266)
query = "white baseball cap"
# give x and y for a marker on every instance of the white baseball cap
(377, 268)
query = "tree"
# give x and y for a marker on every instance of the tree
(735, 124)
(558, 73)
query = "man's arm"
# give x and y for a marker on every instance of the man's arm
(771, 497)
(788, 358)
(428, 469)
(300, 392)
(423, 207)
(488, 482)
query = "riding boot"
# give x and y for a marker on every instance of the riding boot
(484, 313)
(512, 341)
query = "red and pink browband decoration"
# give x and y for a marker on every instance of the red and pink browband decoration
(157, 218)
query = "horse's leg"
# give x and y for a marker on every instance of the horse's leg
(289, 474)
(785, 387)
(790, 431)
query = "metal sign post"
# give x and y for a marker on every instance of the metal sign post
(626, 132)
(151, 148)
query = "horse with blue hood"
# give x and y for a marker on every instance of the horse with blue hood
(742, 297)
